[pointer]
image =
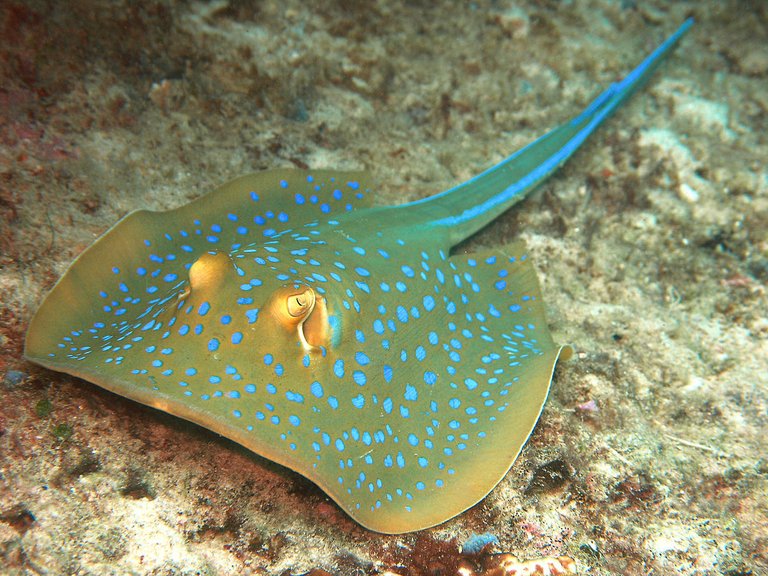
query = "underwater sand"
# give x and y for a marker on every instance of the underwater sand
(651, 246)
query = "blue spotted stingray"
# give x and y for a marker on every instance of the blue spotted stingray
(342, 340)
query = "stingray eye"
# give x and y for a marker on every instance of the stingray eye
(299, 304)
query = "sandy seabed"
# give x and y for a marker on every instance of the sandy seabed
(651, 245)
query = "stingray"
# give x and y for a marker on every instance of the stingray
(342, 340)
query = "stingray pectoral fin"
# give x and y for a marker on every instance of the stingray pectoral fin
(79, 300)
(464, 376)
(472, 473)
(145, 257)
(256, 206)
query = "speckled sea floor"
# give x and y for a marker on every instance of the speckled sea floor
(651, 246)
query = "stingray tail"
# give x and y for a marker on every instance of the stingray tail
(477, 202)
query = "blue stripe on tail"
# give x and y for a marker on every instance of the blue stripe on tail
(481, 199)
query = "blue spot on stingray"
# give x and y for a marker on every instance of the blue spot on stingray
(213, 344)
(338, 368)
(317, 389)
(411, 393)
(359, 377)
